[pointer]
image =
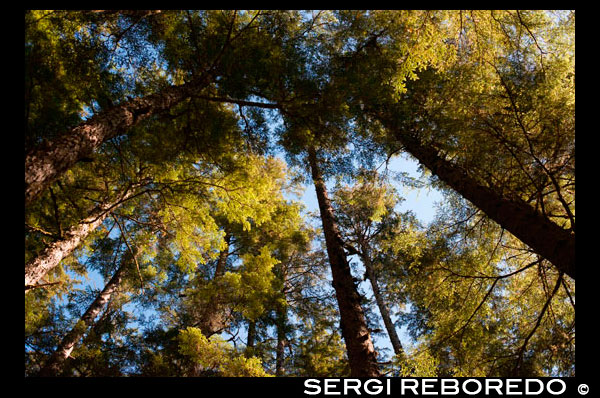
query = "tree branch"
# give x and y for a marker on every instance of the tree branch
(537, 323)
(125, 239)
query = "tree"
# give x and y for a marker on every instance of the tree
(49, 159)
(51, 256)
(53, 365)
(155, 139)
(511, 69)
(480, 303)
(366, 217)
(298, 99)
(361, 353)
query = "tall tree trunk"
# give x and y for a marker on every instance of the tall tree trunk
(250, 339)
(213, 318)
(385, 314)
(281, 321)
(281, 342)
(52, 255)
(361, 352)
(547, 239)
(45, 163)
(54, 364)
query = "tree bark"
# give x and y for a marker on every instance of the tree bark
(53, 254)
(47, 162)
(250, 338)
(55, 363)
(213, 318)
(361, 352)
(281, 342)
(385, 314)
(547, 239)
(281, 322)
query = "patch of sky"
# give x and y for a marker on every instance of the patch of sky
(421, 200)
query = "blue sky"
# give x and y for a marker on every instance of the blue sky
(421, 201)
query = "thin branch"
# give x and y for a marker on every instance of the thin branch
(125, 239)
(566, 287)
(43, 285)
(462, 328)
(42, 231)
(542, 52)
(239, 102)
(56, 213)
(492, 277)
(521, 351)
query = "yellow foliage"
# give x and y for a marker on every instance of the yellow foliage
(417, 364)
(215, 354)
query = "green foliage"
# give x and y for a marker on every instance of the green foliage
(475, 297)
(216, 356)
(322, 353)
(208, 232)
(251, 285)
(417, 364)
(67, 71)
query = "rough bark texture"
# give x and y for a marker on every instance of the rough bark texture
(547, 239)
(385, 314)
(54, 364)
(250, 338)
(213, 319)
(52, 255)
(281, 342)
(45, 163)
(361, 352)
(282, 324)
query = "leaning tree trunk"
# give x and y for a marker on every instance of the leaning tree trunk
(52, 255)
(547, 239)
(55, 363)
(361, 352)
(51, 159)
(385, 314)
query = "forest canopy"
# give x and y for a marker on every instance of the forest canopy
(169, 155)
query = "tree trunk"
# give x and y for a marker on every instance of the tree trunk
(385, 314)
(281, 323)
(361, 353)
(47, 162)
(547, 239)
(55, 363)
(281, 342)
(213, 318)
(250, 339)
(52, 255)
